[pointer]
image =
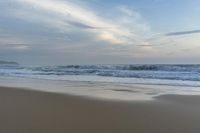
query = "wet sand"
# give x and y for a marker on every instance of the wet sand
(27, 111)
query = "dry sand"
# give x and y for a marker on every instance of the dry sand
(25, 111)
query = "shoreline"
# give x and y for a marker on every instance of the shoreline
(98, 90)
(33, 111)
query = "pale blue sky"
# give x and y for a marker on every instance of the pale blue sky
(54, 32)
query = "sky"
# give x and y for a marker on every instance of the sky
(59, 32)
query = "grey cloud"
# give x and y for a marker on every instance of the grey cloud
(80, 25)
(170, 34)
(144, 45)
(85, 26)
(14, 46)
(182, 33)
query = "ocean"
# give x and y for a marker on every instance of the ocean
(153, 79)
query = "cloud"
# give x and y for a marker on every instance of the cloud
(81, 25)
(15, 46)
(8, 42)
(182, 33)
(120, 31)
(66, 16)
(171, 38)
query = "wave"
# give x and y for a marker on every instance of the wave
(158, 73)
(171, 72)
(136, 67)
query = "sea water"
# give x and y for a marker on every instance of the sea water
(109, 81)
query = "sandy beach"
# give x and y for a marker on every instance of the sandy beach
(26, 111)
